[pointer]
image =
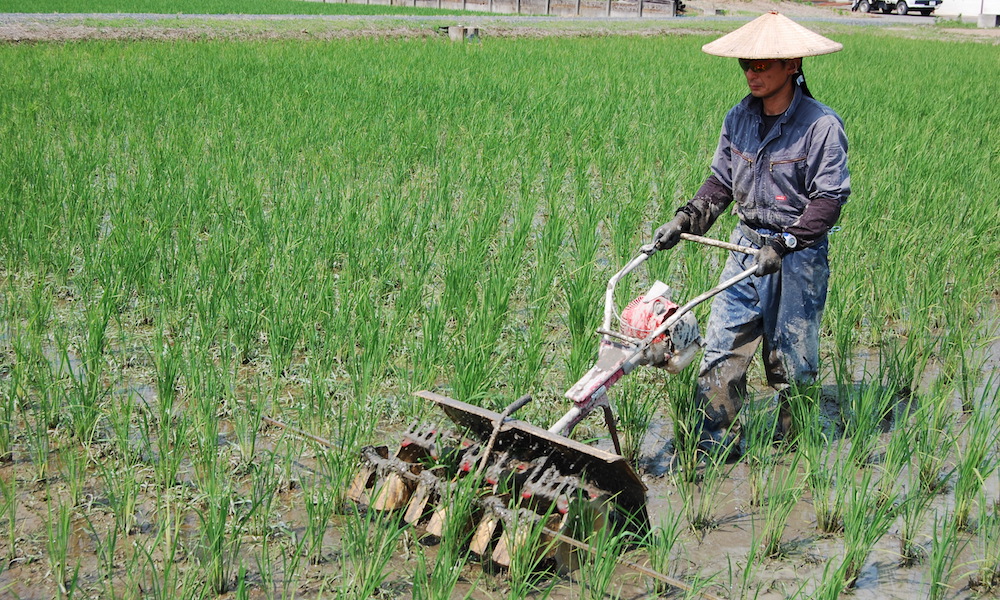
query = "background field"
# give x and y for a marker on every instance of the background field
(212, 7)
(197, 234)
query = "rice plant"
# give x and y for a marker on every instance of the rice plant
(369, 540)
(913, 512)
(59, 527)
(759, 426)
(867, 411)
(826, 468)
(8, 501)
(976, 458)
(636, 403)
(438, 581)
(933, 437)
(864, 526)
(701, 496)
(987, 574)
(783, 491)
(946, 547)
(320, 506)
(222, 522)
(660, 543)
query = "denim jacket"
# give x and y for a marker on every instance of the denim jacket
(803, 157)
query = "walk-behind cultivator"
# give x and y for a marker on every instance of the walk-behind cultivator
(528, 476)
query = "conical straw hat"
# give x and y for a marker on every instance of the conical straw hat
(771, 36)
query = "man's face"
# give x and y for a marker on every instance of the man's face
(767, 77)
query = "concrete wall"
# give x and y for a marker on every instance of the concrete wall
(968, 8)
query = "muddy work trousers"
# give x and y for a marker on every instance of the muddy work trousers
(783, 310)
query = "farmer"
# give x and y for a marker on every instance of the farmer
(782, 162)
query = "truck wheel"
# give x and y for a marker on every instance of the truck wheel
(864, 7)
(902, 8)
(886, 9)
(926, 12)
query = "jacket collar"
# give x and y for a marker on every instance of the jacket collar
(756, 105)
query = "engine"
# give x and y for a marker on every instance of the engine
(676, 347)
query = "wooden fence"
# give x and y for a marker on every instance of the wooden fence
(579, 8)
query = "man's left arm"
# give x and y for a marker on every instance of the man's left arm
(828, 185)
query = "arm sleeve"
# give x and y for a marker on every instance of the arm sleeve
(708, 203)
(828, 182)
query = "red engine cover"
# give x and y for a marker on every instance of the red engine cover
(641, 316)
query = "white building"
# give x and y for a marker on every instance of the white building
(968, 8)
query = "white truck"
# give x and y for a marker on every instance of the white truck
(900, 7)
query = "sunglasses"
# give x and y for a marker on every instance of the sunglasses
(757, 66)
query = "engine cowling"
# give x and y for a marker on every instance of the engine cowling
(676, 347)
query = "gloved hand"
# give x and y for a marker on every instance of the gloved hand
(768, 261)
(669, 234)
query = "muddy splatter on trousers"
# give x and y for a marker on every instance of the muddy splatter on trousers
(781, 312)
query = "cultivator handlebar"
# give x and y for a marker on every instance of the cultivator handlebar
(670, 343)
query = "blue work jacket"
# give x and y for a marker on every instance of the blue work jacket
(802, 157)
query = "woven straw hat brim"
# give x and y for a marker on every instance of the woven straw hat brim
(771, 36)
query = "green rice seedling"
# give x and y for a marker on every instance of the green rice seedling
(283, 315)
(987, 575)
(8, 412)
(701, 497)
(687, 418)
(933, 437)
(39, 445)
(783, 492)
(759, 426)
(946, 546)
(867, 411)
(864, 525)
(120, 420)
(59, 527)
(160, 574)
(965, 358)
(843, 317)
(597, 569)
(166, 428)
(369, 541)
(636, 402)
(222, 521)
(659, 544)
(87, 389)
(40, 304)
(583, 293)
(525, 575)
(264, 484)
(73, 466)
(105, 548)
(8, 497)
(170, 437)
(903, 359)
(373, 331)
(122, 486)
(897, 455)
(246, 419)
(913, 514)
(439, 582)
(823, 463)
(320, 505)
(833, 582)
(976, 459)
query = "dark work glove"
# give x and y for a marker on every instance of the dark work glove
(768, 261)
(668, 234)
